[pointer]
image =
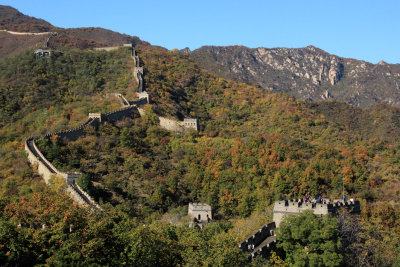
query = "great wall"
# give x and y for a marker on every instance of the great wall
(323, 207)
(47, 170)
(259, 243)
(264, 239)
(27, 33)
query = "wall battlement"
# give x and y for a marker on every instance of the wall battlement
(190, 123)
(96, 116)
(283, 207)
(144, 95)
(262, 240)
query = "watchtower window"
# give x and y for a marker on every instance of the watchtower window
(199, 217)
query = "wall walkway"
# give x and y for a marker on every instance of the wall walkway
(47, 170)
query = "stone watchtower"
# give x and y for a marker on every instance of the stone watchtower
(189, 123)
(199, 213)
(40, 53)
(97, 116)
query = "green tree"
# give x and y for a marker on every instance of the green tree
(14, 247)
(85, 182)
(154, 245)
(309, 240)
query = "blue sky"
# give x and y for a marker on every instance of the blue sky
(367, 30)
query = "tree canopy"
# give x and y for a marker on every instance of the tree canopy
(309, 240)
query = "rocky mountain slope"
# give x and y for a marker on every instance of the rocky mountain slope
(307, 73)
(13, 22)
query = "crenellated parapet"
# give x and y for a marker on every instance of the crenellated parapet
(261, 242)
(190, 123)
(96, 116)
(295, 206)
(47, 170)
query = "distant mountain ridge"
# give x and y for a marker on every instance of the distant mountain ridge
(10, 17)
(307, 73)
(13, 20)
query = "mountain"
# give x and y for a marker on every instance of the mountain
(19, 31)
(307, 73)
(11, 18)
(252, 148)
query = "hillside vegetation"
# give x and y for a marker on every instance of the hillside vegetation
(83, 38)
(253, 148)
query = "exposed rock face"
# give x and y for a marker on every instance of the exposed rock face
(307, 73)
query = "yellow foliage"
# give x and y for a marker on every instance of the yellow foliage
(57, 183)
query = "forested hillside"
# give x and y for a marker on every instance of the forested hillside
(253, 148)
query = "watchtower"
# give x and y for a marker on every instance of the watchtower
(144, 95)
(199, 213)
(190, 123)
(97, 116)
(40, 53)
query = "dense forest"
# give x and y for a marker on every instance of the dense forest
(253, 148)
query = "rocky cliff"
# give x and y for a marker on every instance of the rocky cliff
(307, 73)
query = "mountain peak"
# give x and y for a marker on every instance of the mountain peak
(307, 73)
(10, 18)
(19, 27)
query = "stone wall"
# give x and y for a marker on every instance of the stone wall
(27, 33)
(76, 196)
(75, 133)
(144, 95)
(284, 207)
(125, 102)
(119, 114)
(263, 240)
(47, 170)
(44, 170)
(138, 71)
(109, 48)
(140, 102)
(190, 123)
(171, 125)
(259, 236)
(166, 123)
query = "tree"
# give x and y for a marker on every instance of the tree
(85, 182)
(13, 249)
(308, 240)
(57, 183)
(350, 233)
(154, 245)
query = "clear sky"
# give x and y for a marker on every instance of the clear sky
(361, 29)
